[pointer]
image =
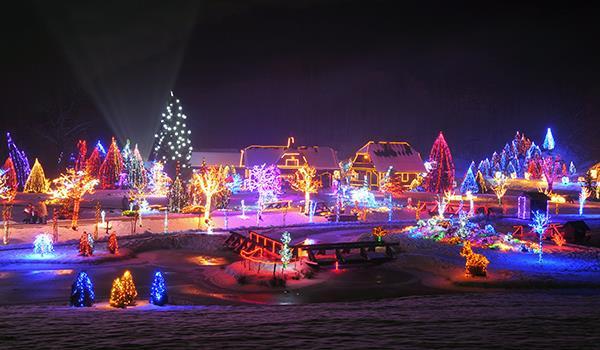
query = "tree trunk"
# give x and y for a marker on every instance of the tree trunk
(75, 214)
(207, 207)
(306, 202)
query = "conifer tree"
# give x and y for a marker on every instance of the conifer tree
(93, 163)
(158, 290)
(80, 161)
(82, 291)
(177, 196)
(20, 161)
(441, 177)
(469, 183)
(111, 168)
(36, 182)
(11, 174)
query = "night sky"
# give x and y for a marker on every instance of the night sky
(335, 73)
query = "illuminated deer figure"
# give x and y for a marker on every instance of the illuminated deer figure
(476, 264)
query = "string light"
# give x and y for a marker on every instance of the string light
(43, 244)
(158, 290)
(82, 291)
(304, 181)
(36, 182)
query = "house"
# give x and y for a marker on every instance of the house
(288, 158)
(372, 161)
(225, 157)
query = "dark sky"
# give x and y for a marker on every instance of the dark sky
(334, 73)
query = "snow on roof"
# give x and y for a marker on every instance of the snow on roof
(320, 157)
(399, 155)
(259, 155)
(215, 157)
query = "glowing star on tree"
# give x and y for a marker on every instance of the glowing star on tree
(305, 181)
(441, 176)
(158, 290)
(548, 141)
(73, 185)
(210, 182)
(82, 291)
(111, 168)
(265, 180)
(172, 142)
(37, 182)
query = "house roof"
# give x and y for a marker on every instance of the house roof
(259, 155)
(398, 155)
(320, 157)
(215, 157)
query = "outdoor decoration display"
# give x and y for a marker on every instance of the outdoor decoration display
(583, 196)
(469, 183)
(36, 182)
(80, 161)
(20, 161)
(177, 196)
(43, 244)
(539, 224)
(123, 291)
(93, 163)
(159, 181)
(379, 232)
(172, 141)
(158, 290)
(441, 176)
(86, 244)
(113, 245)
(211, 181)
(476, 264)
(111, 168)
(285, 252)
(136, 172)
(73, 185)
(8, 191)
(499, 186)
(82, 291)
(129, 288)
(304, 181)
(265, 180)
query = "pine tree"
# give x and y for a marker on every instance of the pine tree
(20, 161)
(172, 142)
(510, 169)
(80, 161)
(93, 163)
(36, 182)
(548, 141)
(481, 182)
(129, 288)
(137, 175)
(441, 177)
(158, 290)
(469, 183)
(82, 291)
(11, 174)
(85, 247)
(111, 168)
(118, 297)
(177, 196)
(113, 245)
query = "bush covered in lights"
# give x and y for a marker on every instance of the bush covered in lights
(158, 290)
(82, 291)
(43, 244)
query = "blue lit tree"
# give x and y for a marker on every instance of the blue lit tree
(539, 225)
(548, 141)
(82, 291)
(158, 290)
(469, 183)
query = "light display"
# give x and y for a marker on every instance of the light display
(8, 192)
(363, 197)
(548, 141)
(523, 208)
(20, 161)
(551, 169)
(442, 202)
(572, 169)
(583, 196)
(499, 186)
(539, 225)
(158, 290)
(177, 196)
(43, 244)
(210, 182)
(285, 252)
(172, 142)
(36, 182)
(469, 183)
(379, 232)
(136, 172)
(86, 245)
(82, 291)
(265, 180)
(558, 238)
(441, 176)
(129, 288)
(93, 163)
(118, 297)
(73, 186)
(80, 161)
(8, 170)
(476, 264)
(111, 168)
(304, 181)
(235, 182)
(159, 180)
(113, 245)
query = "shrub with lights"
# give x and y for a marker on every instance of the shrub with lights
(43, 244)
(113, 245)
(117, 294)
(82, 291)
(129, 288)
(86, 244)
(158, 290)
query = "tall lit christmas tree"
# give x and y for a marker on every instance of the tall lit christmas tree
(172, 142)
(8, 170)
(158, 290)
(548, 141)
(441, 176)
(20, 161)
(36, 182)
(177, 196)
(469, 183)
(93, 163)
(111, 168)
(136, 173)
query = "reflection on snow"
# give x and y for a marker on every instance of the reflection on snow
(53, 272)
(207, 260)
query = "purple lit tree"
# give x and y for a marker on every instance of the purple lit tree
(20, 161)
(265, 180)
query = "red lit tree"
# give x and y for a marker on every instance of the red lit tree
(113, 245)
(11, 174)
(111, 168)
(441, 176)
(551, 169)
(93, 163)
(80, 163)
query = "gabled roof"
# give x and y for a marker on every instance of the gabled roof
(259, 155)
(399, 155)
(320, 157)
(215, 157)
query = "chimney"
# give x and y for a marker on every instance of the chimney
(290, 142)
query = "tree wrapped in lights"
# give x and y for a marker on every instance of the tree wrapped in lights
(551, 169)
(8, 192)
(210, 182)
(158, 290)
(379, 232)
(136, 172)
(73, 186)
(37, 182)
(113, 245)
(93, 163)
(572, 169)
(111, 168)
(86, 244)
(43, 244)
(539, 225)
(266, 180)
(441, 176)
(548, 141)
(172, 142)
(480, 179)
(469, 183)
(82, 291)
(8, 170)
(583, 196)
(129, 288)
(305, 181)
(80, 161)
(476, 264)
(118, 297)
(499, 186)
(285, 252)
(159, 180)
(19, 158)
(177, 196)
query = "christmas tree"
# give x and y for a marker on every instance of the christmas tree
(118, 297)
(11, 175)
(80, 161)
(113, 245)
(85, 246)
(129, 288)
(111, 168)
(172, 142)
(158, 290)
(177, 196)
(469, 183)
(82, 291)
(548, 141)
(36, 182)
(20, 161)
(137, 171)
(92, 165)
(572, 169)
(441, 177)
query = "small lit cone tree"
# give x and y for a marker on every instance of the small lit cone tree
(85, 246)
(8, 192)
(172, 141)
(469, 183)
(266, 180)
(93, 163)
(8, 169)
(113, 245)
(37, 182)
(80, 161)
(19, 158)
(177, 196)
(158, 290)
(548, 141)
(159, 180)
(305, 181)
(129, 288)
(210, 182)
(118, 297)
(136, 173)
(441, 177)
(111, 168)
(82, 291)
(73, 186)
